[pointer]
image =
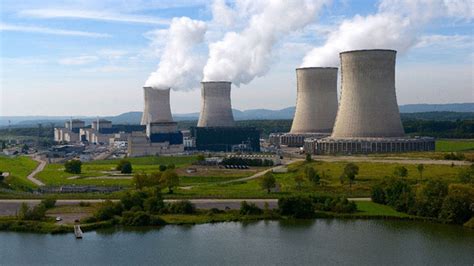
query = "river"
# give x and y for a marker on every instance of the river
(316, 242)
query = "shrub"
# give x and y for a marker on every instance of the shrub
(454, 156)
(378, 194)
(48, 203)
(430, 197)
(36, 213)
(268, 181)
(84, 204)
(398, 194)
(73, 166)
(333, 204)
(182, 207)
(133, 199)
(400, 171)
(296, 206)
(170, 180)
(249, 209)
(124, 166)
(138, 218)
(458, 206)
(312, 175)
(308, 158)
(154, 204)
(162, 168)
(108, 210)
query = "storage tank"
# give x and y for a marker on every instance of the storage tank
(157, 106)
(216, 108)
(368, 105)
(316, 104)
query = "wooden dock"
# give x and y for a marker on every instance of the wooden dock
(77, 231)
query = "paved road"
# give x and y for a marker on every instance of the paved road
(38, 169)
(403, 160)
(10, 206)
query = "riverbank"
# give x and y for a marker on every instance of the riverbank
(365, 211)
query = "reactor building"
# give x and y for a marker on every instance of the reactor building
(316, 106)
(368, 119)
(216, 129)
(161, 135)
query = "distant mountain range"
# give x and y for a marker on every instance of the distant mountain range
(253, 114)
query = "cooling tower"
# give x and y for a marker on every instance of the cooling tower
(316, 104)
(157, 106)
(368, 105)
(216, 109)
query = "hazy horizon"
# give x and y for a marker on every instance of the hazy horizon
(90, 58)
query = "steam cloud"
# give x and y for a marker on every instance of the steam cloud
(179, 67)
(241, 56)
(395, 26)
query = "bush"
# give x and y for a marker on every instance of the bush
(249, 209)
(312, 175)
(138, 218)
(296, 206)
(162, 168)
(48, 203)
(84, 204)
(124, 166)
(36, 213)
(142, 180)
(430, 197)
(182, 207)
(133, 199)
(332, 204)
(454, 156)
(268, 181)
(170, 180)
(73, 166)
(378, 194)
(154, 204)
(108, 210)
(458, 205)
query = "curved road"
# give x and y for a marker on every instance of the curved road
(38, 169)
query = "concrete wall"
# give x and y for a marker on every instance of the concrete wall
(157, 106)
(368, 106)
(138, 145)
(216, 108)
(316, 104)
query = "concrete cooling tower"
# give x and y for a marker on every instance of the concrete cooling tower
(368, 119)
(216, 108)
(316, 104)
(157, 106)
(368, 106)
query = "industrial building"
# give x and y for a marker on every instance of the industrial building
(227, 139)
(368, 119)
(161, 135)
(70, 132)
(216, 107)
(316, 106)
(216, 130)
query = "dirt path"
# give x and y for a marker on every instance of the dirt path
(39, 168)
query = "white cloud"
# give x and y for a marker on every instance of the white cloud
(44, 30)
(445, 41)
(92, 15)
(78, 60)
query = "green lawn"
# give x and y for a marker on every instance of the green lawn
(373, 209)
(19, 168)
(369, 174)
(454, 145)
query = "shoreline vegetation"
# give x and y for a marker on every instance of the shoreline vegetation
(184, 213)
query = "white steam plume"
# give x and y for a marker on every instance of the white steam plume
(179, 67)
(241, 56)
(395, 26)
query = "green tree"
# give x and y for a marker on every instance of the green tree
(249, 209)
(170, 179)
(312, 175)
(350, 172)
(162, 168)
(308, 158)
(400, 171)
(457, 205)
(268, 181)
(124, 166)
(420, 169)
(430, 197)
(171, 166)
(201, 158)
(48, 203)
(73, 166)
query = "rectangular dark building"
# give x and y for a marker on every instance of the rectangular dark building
(226, 139)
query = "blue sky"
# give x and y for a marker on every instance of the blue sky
(79, 57)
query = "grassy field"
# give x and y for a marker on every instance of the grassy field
(19, 168)
(369, 174)
(454, 145)
(374, 210)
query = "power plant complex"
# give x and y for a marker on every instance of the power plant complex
(366, 120)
